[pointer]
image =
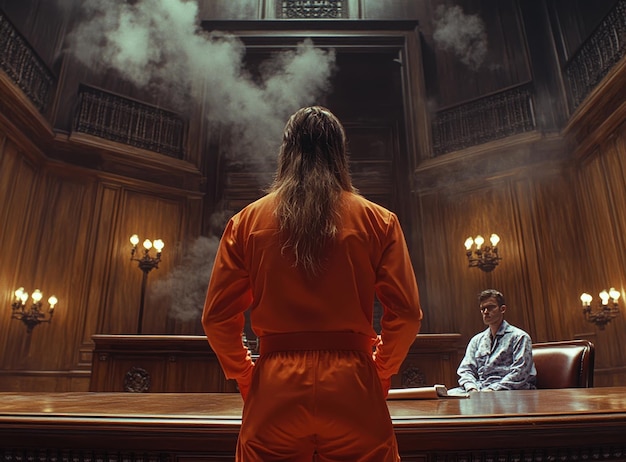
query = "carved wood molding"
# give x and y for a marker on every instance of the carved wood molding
(496, 160)
(601, 113)
(311, 9)
(137, 380)
(609, 453)
(588, 453)
(52, 455)
(413, 376)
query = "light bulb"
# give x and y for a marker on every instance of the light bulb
(19, 293)
(468, 243)
(52, 301)
(614, 294)
(586, 299)
(479, 241)
(37, 295)
(134, 240)
(604, 296)
(158, 245)
(494, 239)
(147, 244)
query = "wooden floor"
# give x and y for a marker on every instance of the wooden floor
(197, 426)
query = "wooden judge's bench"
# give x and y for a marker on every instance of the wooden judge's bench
(185, 364)
(164, 399)
(558, 425)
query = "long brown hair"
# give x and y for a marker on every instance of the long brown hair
(312, 173)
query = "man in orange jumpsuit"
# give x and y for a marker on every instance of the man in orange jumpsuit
(307, 260)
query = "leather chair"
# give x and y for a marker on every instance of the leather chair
(564, 364)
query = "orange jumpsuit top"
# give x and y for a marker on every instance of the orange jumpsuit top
(368, 257)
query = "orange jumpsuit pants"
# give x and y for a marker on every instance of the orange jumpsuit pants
(317, 405)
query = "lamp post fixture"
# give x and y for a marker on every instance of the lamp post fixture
(146, 264)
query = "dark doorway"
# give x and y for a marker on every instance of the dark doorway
(369, 95)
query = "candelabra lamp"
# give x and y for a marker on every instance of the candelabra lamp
(146, 264)
(605, 311)
(32, 315)
(486, 258)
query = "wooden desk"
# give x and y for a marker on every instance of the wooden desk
(186, 363)
(512, 426)
(156, 363)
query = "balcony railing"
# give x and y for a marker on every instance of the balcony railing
(23, 66)
(485, 119)
(596, 56)
(127, 121)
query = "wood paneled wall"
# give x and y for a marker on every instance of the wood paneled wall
(65, 231)
(555, 195)
(530, 210)
(559, 213)
(601, 195)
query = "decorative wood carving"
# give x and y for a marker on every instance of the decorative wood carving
(598, 54)
(124, 120)
(605, 453)
(18, 455)
(23, 66)
(413, 377)
(137, 380)
(486, 119)
(313, 9)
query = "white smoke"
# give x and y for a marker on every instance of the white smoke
(462, 34)
(185, 286)
(159, 46)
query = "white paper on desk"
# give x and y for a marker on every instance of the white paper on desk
(436, 391)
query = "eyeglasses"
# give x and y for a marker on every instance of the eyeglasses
(488, 308)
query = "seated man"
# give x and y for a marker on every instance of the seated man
(500, 357)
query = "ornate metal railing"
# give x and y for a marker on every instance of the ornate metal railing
(597, 55)
(312, 9)
(486, 119)
(23, 65)
(127, 121)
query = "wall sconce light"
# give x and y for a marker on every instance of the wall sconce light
(486, 258)
(605, 312)
(146, 264)
(33, 315)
